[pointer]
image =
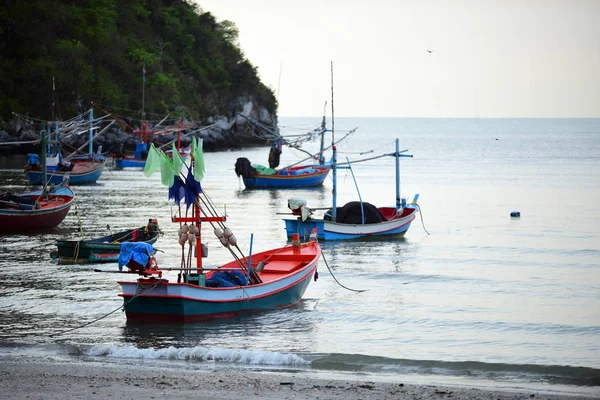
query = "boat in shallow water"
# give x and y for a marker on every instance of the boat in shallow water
(299, 175)
(269, 279)
(54, 167)
(286, 178)
(279, 278)
(356, 219)
(106, 248)
(35, 211)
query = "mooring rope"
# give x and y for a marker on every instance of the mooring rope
(122, 307)
(364, 290)
(338, 282)
(422, 223)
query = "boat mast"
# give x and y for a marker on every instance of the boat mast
(91, 145)
(143, 90)
(179, 125)
(397, 157)
(323, 130)
(197, 219)
(44, 168)
(334, 157)
(53, 97)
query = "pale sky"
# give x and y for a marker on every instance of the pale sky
(490, 58)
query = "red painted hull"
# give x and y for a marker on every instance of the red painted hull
(51, 212)
(284, 278)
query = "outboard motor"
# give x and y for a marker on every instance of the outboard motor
(244, 168)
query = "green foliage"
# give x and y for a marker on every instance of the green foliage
(95, 49)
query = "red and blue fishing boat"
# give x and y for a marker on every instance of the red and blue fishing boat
(269, 279)
(282, 281)
(285, 178)
(356, 219)
(146, 135)
(37, 210)
(297, 175)
(79, 169)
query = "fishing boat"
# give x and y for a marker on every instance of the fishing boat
(37, 210)
(106, 248)
(145, 137)
(356, 219)
(269, 279)
(291, 177)
(298, 175)
(80, 169)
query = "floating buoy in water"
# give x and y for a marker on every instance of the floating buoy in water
(515, 214)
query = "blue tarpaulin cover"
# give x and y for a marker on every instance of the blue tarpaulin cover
(135, 251)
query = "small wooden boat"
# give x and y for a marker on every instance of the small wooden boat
(293, 177)
(35, 211)
(78, 169)
(106, 248)
(38, 210)
(270, 279)
(298, 175)
(138, 158)
(356, 219)
(202, 295)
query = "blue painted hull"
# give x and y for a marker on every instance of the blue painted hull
(328, 230)
(286, 181)
(172, 309)
(129, 162)
(76, 177)
(121, 163)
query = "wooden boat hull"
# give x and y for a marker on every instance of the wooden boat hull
(132, 162)
(329, 230)
(121, 163)
(287, 181)
(100, 250)
(85, 171)
(50, 214)
(163, 301)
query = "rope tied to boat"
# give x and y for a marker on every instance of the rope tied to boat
(141, 288)
(335, 279)
(421, 215)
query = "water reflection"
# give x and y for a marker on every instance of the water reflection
(258, 329)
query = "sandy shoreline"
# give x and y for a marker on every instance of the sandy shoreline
(60, 380)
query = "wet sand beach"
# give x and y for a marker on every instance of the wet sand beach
(56, 380)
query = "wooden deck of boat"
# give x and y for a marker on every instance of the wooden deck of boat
(283, 264)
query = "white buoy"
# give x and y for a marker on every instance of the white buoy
(230, 237)
(182, 238)
(222, 238)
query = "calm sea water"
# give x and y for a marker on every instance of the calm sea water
(483, 297)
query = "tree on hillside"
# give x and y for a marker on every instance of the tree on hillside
(97, 49)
